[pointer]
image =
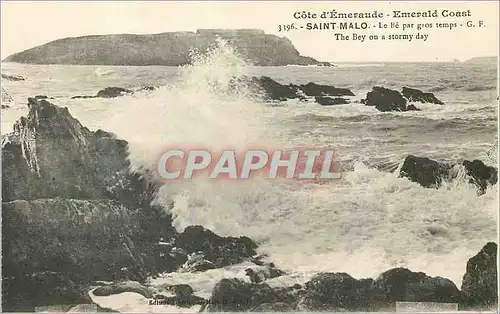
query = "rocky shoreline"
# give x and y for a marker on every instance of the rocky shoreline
(165, 49)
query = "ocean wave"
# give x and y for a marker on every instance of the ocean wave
(363, 224)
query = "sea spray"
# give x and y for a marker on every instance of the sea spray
(367, 223)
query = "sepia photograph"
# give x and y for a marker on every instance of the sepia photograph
(249, 156)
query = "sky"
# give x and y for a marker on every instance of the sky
(26, 24)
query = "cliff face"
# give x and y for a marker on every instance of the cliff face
(167, 49)
(71, 210)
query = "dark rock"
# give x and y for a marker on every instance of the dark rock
(112, 92)
(401, 284)
(148, 88)
(426, 172)
(235, 295)
(412, 107)
(108, 92)
(168, 258)
(120, 287)
(258, 260)
(274, 307)
(480, 174)
(13, 77)
(329, 101)
(340, 292)
(25, 292)
(181, 301)
(220, 251)
(276, 91)
(385, 99)
(183, 296)
(83, 97)
(479, 284)
(167, 49)
(430, 173)
(5, 106)
(313, 89)
(180, 290)
(85, 215)
(197, 262)
(269, 89)
(38, 97)
(6, 98)
(82, 239)
(417, 95)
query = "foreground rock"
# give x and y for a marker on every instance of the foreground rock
(272, 90)
(417, 95)
(479, 284)
(339, 292)
(431, 174)
(167, 49)
(267, 88)
(313, 89)
(13, 77)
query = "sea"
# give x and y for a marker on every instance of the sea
(363, 224)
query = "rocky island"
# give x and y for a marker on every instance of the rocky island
(166, 49)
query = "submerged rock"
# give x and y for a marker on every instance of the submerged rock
(431, 174)
(480, 174)
(385, 99)
(479, 284)
(417, 95)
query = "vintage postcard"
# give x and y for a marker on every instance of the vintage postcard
(249, 156)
